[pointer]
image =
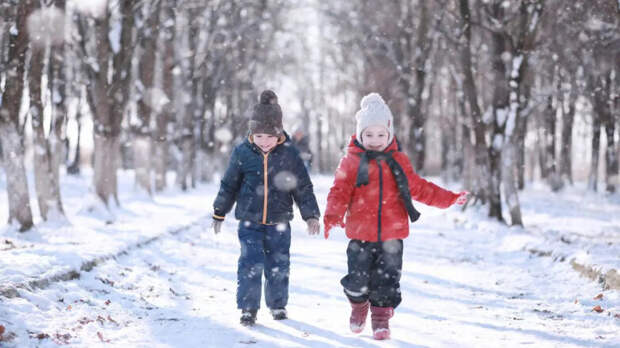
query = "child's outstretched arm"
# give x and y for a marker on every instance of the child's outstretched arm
(428, 192)
(339, 196)
(229, 188)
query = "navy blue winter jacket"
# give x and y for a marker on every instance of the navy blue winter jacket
(286, 179)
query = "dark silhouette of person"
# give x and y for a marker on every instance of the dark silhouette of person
(302, 143)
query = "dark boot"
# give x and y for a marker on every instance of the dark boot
(359, 312)
(248, 317)
(279, 313)
(380, 317)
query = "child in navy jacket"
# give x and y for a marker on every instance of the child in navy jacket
(264, 176)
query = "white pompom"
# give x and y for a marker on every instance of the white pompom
(371, 98)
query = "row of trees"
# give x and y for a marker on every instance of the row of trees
(152, 75)
(493, 73)
(168, 84)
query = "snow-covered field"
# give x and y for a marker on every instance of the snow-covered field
(467, 281)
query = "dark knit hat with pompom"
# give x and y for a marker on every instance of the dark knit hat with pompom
(267, 115)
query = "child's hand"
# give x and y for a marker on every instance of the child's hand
(313, 226)
(217, 226)
(462, 198)
(330, 222)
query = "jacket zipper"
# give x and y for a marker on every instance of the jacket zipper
(380, 200)
(266, 189)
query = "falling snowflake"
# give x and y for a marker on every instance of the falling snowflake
(223, 135)
(285, 181)
(46, 25)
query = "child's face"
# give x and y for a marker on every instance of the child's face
(375, 138)
(266, 142)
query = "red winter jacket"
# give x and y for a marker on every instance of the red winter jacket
(362, 203)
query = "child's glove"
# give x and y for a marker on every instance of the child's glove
(217, 225)
(462, 198)
(313, 226)
(330, 221)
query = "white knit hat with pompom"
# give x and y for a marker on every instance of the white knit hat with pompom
(374, 112)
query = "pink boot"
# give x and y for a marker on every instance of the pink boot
(359, 312)
(380, 317)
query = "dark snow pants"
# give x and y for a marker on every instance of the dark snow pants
(264, 248)
(374, 272)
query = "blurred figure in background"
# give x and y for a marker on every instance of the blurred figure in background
(302, 143)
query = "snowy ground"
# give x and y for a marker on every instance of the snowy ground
(466, 282)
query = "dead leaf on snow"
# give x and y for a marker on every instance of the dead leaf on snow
(62, 338)
(106, 281)
(7, 337)
(598, 297)
(42, 336)
(112, 320)
(85, 321)
(597, 309)
(100, 335)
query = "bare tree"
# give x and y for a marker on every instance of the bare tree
(530, 13)
(147, 96)
(568, 98)
(46, 179)
(161, 135)
(602, 31)
(471, 94)
(108, 97)
(11, 128)
(57, 85)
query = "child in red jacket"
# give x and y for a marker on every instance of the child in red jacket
(374, 185)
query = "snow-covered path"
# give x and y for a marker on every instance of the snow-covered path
(464, 283)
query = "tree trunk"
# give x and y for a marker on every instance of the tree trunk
(10, 135)
(209, 165)
(509, 160)
(521, 156)
(160, 154)
(500, 113)
(449, 156)
(161, 138)
(549, 132)
(109, 100)
(423, 50)
(44, 179)
(514, 130)
(596, 139)
(186, 121)
(74, 167)
(568, 117)
(142, 131)
(184, 170)
(58, 83)
(17, 184)
(104, 169)
(602, 108)
(107, 149)
(469, 87)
